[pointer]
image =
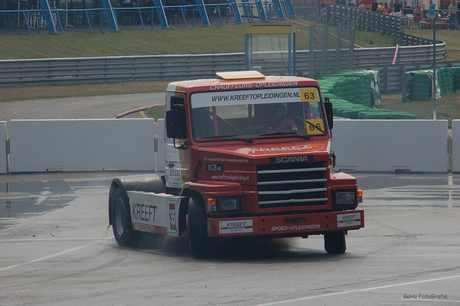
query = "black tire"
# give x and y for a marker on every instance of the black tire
(121, 221)
(200, 245)
(334, 242)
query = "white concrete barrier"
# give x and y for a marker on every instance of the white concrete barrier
(455, 145)
(161, 145)
(128, 145)
(3, 150)
(391, 145)
(81, 145)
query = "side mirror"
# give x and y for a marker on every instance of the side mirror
(175, 124)
(329, 113)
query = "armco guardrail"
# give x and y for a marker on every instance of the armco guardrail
(64, 71)
(405, 55)
(393, 77)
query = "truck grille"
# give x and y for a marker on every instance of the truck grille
(302, 184)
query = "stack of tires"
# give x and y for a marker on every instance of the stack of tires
(445, 79)
(419, 85)
(351, 96)
(349, 85)
(344, 108)
(456, 71)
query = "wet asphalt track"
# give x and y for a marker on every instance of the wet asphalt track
(56, 249)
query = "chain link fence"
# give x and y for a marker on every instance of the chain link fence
(331, 46)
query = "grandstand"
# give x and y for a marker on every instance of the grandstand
(61, 15)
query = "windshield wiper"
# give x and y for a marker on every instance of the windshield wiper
(278, 133)
(227, 137)
(286, 133)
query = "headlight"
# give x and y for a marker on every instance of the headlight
(224, 204)
(345, 198)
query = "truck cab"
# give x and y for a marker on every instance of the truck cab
(245, 155)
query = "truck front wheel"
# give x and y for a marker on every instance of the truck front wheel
(334, 242)
(121, 221)
(201, 246)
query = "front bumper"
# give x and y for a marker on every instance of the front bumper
(286, 225)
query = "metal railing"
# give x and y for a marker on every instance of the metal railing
(142, 17)
(364, 20)
(89, 18)
(66, 71)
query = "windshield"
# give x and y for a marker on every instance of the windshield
(256, 114)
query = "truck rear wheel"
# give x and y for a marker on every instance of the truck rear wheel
(334, 242)
(121, 221)
(201, 246)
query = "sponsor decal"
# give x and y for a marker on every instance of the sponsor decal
(215, 167)
(295, 220)
(290, 159)
(255, 96)
(174, 172)
(230, 177)
(309, 94)
(253, 85)
(143, 212)
(143, 227)
(299, 227)
(174, 176)
(346, 220)
(245, 96)
(227, 160)
(280, 149)
(172, 217)
(149, 228)
(234, 227)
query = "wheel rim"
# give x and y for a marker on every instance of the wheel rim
(120, 217)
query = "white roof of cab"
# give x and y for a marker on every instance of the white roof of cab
(240, 75)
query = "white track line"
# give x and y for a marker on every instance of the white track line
(360, 290)
(49, 256)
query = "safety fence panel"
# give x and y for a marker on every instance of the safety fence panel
(391, 145)
(161, 157)
(455, 145)
(129, 145)
(363, 20)
(3, 148)
(81, 145)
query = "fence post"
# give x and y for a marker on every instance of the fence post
(311, 55)
(236, 12)
(110, 15)
(161, 13)
(403, 83)
(203, 14)
(46, 10)
(386, 79)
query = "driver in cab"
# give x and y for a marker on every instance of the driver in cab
(278, 120)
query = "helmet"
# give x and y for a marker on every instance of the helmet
(280, 107)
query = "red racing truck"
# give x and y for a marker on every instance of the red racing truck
(246, 155)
